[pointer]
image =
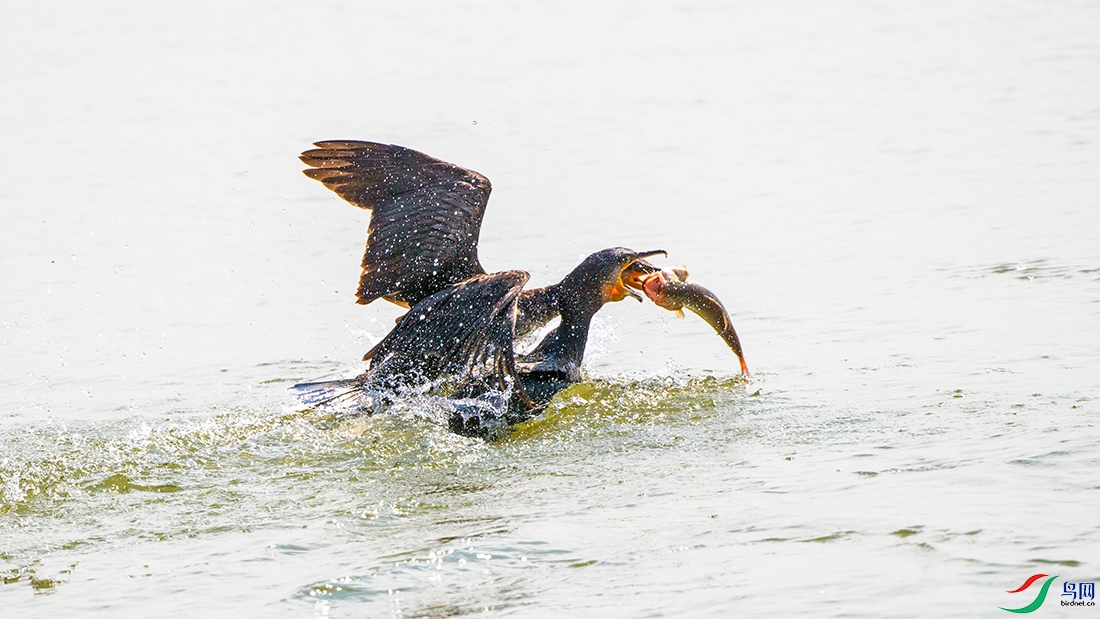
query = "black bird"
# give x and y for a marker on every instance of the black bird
(459, 332)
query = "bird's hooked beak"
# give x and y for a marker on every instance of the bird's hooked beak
(647, 254)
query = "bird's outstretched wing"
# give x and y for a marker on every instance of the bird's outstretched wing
(465, 331)
(425, 221)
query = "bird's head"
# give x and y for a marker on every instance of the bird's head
(599, 278)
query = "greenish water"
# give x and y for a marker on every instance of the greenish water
(898, 205)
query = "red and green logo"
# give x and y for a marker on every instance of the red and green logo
(1039, 599)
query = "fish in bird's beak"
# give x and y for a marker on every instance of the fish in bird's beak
(634, 274)
(635, 268)
(670, 289)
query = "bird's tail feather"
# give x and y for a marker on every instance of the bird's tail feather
(326, 392)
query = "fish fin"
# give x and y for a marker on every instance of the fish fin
(679, 313)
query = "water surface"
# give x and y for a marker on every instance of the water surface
(898, 204)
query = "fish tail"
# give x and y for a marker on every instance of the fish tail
(730, 336)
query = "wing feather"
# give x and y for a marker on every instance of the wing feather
(426, 215)
(464, 331)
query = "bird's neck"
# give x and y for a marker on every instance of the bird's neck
(535, 308)
(566, 343)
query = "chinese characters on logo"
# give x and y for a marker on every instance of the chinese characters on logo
(1078, 593)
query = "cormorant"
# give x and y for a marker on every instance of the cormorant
(458, 335)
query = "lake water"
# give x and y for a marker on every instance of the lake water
(899, 204)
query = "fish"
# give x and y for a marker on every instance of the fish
(670, 289)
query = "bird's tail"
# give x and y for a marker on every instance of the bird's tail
(326, 392)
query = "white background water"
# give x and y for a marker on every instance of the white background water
(898, 203)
